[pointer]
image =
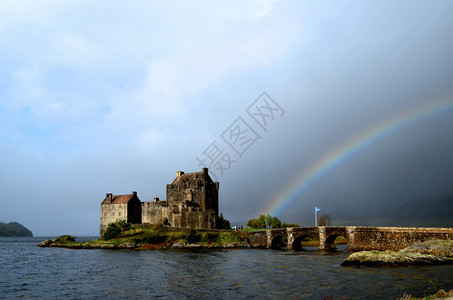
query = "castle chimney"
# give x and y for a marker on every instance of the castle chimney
(204, 170)
(156, 198)
(179, 173)
(109, 196)
(134, 193)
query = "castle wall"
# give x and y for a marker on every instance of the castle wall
(204, 193)
(154, 213)
(180, 192)
(212, 197)
(192, 202)
(177, 216)
(134, 209)
(111, 213)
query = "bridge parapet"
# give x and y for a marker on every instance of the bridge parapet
(258, 239)
(358, 238)
(395, 238)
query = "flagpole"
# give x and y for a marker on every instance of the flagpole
(316, 217)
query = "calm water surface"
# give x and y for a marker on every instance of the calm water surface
(53, 273)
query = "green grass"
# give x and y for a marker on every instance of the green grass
(156, 238)
(145, 236)
(228, 237)
(254, 229)
(65, 239)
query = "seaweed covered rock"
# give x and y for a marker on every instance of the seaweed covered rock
(434, 247)
(58, 242)
(434, 252)
(393, 258)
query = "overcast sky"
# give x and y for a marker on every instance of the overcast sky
(116, 96)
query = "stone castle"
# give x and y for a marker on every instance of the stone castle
(192, 202)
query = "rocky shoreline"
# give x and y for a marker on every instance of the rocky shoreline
(69, 242)
(435, 252)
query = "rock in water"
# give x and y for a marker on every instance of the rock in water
(433, 247)
(434, 252)
(393, 258)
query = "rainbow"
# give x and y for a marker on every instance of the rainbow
(349, 149)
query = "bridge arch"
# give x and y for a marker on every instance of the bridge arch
(329, 242)
(279, 241)
(297, 243)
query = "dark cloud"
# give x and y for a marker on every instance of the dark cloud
(98, 118)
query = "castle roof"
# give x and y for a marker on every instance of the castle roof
(118, 199)
(187, 177)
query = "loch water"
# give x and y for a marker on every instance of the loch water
(27, 271)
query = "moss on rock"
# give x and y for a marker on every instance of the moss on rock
(435, 252)
(434, 247)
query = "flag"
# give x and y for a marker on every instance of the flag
(317, 209)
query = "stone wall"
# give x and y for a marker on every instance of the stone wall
(134, 211)
(112, 213)
(395, 238)
(203, 193)
(188, 191)
(258, 239)
(155, 213)
(177, 216)
(296, 235)
(358, 238)
(192, 202)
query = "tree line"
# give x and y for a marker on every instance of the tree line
(270, 222)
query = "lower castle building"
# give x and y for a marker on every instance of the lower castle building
(192, 202)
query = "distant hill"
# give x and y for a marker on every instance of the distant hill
(14, 229)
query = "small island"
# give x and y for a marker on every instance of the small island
(14, 229)
(121, 235)
(433, 252)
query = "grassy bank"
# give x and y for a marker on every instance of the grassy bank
(158, 238)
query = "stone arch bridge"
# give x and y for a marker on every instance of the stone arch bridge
(358, 238)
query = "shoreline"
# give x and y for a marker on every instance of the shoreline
(433, 252)
(133, 246)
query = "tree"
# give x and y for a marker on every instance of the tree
(324, 220)
(275, 223)
(193, 237)
(261, 221)
(252, 223)
(222, 223)
(264, 221)
(257, 223)
(115, 229)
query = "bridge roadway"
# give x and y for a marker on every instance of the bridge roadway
(358, 237)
